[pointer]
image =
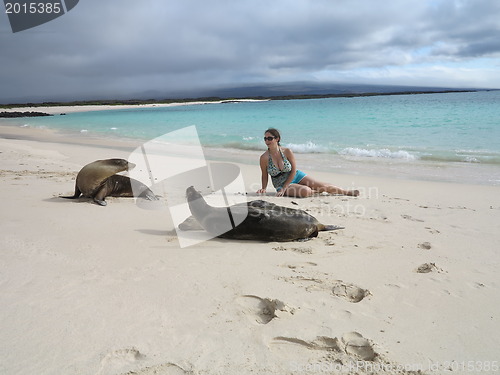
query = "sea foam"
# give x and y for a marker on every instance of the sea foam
(377, 153)
(306, 148)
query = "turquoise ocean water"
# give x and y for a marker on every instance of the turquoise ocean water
(450, 137)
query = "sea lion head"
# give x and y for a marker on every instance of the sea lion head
(206, 215)
(192, 193)
(120, 164)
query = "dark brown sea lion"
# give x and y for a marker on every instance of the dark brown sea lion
(98, 180)
(264, 221)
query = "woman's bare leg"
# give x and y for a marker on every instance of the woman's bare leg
(321, 187)
(298, 191)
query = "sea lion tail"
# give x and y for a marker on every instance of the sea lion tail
(76, 195)
(323, 227)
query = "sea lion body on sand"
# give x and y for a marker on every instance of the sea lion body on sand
(121, 186)
(264, 221)
(99, 180)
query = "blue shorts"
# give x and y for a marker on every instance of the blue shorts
(299, 175)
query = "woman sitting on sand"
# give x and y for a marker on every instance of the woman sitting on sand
(279, 163)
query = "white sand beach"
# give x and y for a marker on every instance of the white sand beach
(94, 290)
(59, 109)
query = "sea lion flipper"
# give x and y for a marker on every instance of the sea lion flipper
(323, 227)
(76, 195)
(190, 224)
(100, 195)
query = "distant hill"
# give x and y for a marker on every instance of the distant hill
(292, 90)
(304, 89)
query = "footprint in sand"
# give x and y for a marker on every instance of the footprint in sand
(119, 359)
(477, 285)
(261, 310)
(320, 343)
(349, 292)
(296, 265)
(302, 250)
(425, 245)
(433, 231)
(411, 218)
(427, 267)
(355, 344)
(163, 369)
(352, 344)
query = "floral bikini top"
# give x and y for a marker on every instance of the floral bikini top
(279, 176)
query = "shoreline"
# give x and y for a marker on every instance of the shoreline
(424, 254)
(63, 109)
(189, 101)
(414, 170)
(50, 139)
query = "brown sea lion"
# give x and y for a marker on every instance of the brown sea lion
(264, 221)
(98, 180)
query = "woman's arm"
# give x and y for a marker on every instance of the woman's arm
(263, 168)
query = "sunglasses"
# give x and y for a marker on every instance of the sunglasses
(269, 138)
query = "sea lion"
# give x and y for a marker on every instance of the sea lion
(264, 221)
(98, 180)
(122, 186)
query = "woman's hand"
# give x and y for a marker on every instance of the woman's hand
(261, 191)
(281, 192)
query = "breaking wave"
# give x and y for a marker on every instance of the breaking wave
(378, 153)
(307, 148)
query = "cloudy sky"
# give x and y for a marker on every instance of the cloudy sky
(117, 48)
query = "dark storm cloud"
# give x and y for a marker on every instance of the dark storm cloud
(124, 47)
